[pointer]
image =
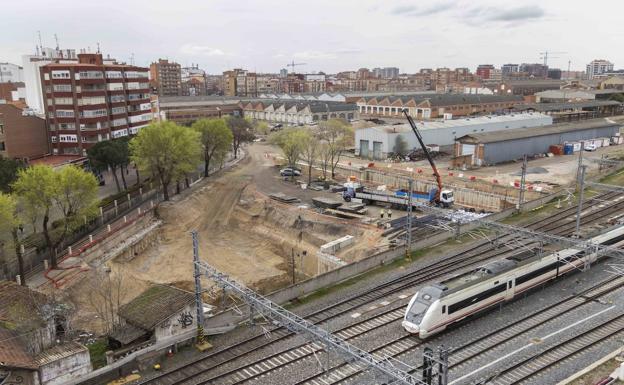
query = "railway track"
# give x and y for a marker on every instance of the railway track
(474, 349)
(524, 371)
(475, 254)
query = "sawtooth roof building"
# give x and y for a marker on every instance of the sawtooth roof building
(431, 106)
(297, 112)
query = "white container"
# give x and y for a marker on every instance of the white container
(605, 142)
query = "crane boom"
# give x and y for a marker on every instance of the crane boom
(427, 154)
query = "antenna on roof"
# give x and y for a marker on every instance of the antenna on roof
(98, 47)
(56, 40)
(132, 58)
(40, 42)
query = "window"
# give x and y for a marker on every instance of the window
(64, 113)
(113, 74)
(476, 298)
(119, 122)
(69, 101)
(536, 273)
(68, 138)
(92, 113)
(87, 101)
(91, 75)
(61, 74)
(117, 98)
(67, 126)
(53, 139)
(115, 86)
(118, 110)
(62, 88)
(2, 146)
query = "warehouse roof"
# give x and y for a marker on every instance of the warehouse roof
(451, 99)
(155, 305)
(521, 133)
(490, 119)
(566, 106)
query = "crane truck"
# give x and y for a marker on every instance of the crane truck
(436, 196)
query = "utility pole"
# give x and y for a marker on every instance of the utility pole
(198, 290)
(408, 246)
(522, 182)
(580, 163)
(580, 202)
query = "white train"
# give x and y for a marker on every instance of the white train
(434, 308)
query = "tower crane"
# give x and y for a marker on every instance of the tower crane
(293, 65)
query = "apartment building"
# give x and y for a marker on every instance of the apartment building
(598, 67)
(166, 78)
(22, 135)
(11, 73)
(90, 101)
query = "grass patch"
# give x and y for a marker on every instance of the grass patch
(97, 351)
(615, 178)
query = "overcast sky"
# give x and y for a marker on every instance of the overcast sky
(328, 35)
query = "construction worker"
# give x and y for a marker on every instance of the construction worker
(157, 367)
(381, 213)
(389, 214)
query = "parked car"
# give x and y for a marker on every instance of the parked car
(289, 171)
(590, 147)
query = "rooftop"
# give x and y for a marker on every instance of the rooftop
(566, 106)
(490, 119)
(155, 305)
(13, 352)
(520, 133)
(20, 307)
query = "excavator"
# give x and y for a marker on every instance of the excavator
(440, 197)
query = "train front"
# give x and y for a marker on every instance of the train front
(418, 313)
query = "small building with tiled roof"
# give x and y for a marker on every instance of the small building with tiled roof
(292, 111)
(30, 328)
(158, 313)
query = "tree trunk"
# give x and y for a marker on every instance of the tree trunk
(178, 186)
(235, 147)
(187, 182)
(136, 169)
(46, 235)
(114, 171)
(165, 187)
(206, 164)
(309, 173)
(123, 178)
(20, 257)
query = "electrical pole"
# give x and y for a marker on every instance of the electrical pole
(408, 246)
(522, 182)
(580, 202)
(580, 163)
(198, 290)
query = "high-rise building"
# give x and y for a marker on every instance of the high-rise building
(93, 100)
(483, 71)
(166, 78)
(31, 65)
(535, 70)
(598, 67)
(508, 69)
(386, 72)
(193, 81)
(283, 73)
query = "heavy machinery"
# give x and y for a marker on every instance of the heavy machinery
(442, 197)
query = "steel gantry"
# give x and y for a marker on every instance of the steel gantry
(397, 371)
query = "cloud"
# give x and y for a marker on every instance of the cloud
(524, 13)
(200, 50)
(414, 10)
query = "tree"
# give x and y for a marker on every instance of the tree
(292, 142)
(400, 146)
(8, 229)
(242, 132)
(167, 151)
(261, 127)
(310, 152)
(216, 139)
(339, 136)
(324, 157)
(8, 173)
(111, 154)
(72, 191)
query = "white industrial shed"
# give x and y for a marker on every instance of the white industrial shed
(377, 142)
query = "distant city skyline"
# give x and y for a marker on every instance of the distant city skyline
(328, 36)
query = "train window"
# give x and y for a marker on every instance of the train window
(476, 298)
(443, 309)
(496, 283)
(536, 273)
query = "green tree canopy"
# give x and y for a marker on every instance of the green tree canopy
(216, 139)
(293, 143)
(167, 151)
(8, 173)
(109, 153)
(72, 191)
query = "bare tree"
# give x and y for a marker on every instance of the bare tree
(339, 136)
(324, 157)
(310, 153)
(106, 290)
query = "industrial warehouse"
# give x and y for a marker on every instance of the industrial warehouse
(480, 149)
(378, 142)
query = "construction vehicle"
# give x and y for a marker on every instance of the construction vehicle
(399, 198)
(442, 197)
